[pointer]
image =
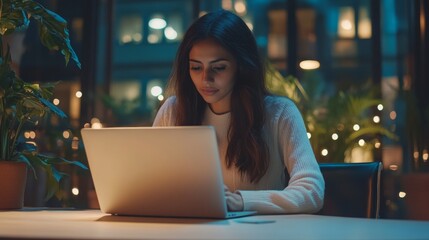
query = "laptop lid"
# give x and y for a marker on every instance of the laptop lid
(156, 171)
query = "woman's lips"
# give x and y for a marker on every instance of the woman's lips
(209, 91)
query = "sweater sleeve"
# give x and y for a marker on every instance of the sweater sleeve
(305, 191)
(166, 114)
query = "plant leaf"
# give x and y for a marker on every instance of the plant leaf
(53, 30)
(12, 18)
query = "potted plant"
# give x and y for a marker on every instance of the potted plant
(22, 104)
(331, 119)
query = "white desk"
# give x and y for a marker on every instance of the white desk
(92, 224)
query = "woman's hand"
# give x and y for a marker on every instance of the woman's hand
(234, 201)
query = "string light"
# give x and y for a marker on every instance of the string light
(334, 136)
(32, 134)
(56, 101)
(78, 94)
(324, 152)
(75, 143)
(425, 155)
(356, 127)
(416, 154)
(393, 167)
(392, 115)
(66, 134)
(377, 144)
(376, 119)
(75, 191)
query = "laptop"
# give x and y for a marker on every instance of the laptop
(157, 171)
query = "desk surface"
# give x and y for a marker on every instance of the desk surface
(92, 224)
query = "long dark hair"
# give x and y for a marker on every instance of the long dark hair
(246, 150)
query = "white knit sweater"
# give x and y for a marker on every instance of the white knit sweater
(285, 134)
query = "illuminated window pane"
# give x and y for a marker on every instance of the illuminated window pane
(346, 23)
(130, 29)
(174, 30)
(277, 35)
(364, 28)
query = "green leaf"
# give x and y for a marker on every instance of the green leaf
(12, 18)
(53, 178)
(59, 160)
(53, 32)
(53, 108)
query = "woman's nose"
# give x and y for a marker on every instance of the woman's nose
(208, 75)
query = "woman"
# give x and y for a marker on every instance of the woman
(218, 80)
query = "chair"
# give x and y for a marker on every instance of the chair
(351, 189)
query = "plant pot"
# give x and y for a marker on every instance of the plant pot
(13, 177)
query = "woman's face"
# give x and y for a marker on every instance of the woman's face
(213, 71)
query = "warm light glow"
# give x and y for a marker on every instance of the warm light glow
(392, 115)
(364, 27)
(377, 144)
(249, 25)
(32, 143)
(75, 143)
(157, 23)
(126, 38)
(137, 37)
(402, 194)
(160, 97)
(425, 155)
(95, 120)
(78, 94)
(380, 107)
(56, 101)
(416, 154)
(153, 38)
(227, 4)
(422, 19)
(356, 127)
(66, 134)
(324, 152)
(75, 191)
(376, 119)
(334, 136)
(309, 135)
(32, 134)
(309, 64)
(156, 91)
(361, 142)
(27, 135)
(240, 7)
(346, 22)
(393, 167)
(97, 125)
(170, 33)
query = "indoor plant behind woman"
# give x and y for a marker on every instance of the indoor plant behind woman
(22, 104)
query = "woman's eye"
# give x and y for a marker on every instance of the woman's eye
(195, 68)
(219, 68)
